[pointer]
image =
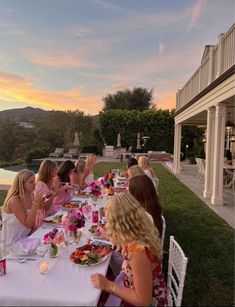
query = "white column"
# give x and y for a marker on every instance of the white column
(218, 160)
(209, 152)
(177, 148)
(220, 56)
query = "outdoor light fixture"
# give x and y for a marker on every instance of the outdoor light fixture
(232, 138)
(204, 140)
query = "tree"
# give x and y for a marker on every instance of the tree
(136, 99)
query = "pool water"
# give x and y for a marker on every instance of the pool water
(8, 174)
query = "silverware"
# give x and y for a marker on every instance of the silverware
(21, 260)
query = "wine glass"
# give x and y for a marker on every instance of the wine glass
(86, 210)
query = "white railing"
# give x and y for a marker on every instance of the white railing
(220, 58)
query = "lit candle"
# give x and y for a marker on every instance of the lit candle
(43, 266)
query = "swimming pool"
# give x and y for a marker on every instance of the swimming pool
(8, 174)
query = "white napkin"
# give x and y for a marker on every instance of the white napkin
(25, 246)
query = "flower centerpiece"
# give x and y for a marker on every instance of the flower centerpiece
(73, 221)
(54, 238)
(95, 189)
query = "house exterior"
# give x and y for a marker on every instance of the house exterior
(208, 99)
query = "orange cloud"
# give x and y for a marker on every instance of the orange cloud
(56, 59)
(15, 88)
(166, 101)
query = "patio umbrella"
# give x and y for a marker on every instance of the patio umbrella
(76, 141)
(138, 147)
(118, 140)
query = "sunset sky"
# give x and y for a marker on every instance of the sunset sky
(69, 54)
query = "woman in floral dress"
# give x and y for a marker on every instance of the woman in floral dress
(142, 279)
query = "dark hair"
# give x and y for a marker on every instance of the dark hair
(64, 169)
(130, 162)
(142, 188)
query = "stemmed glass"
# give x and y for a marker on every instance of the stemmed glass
(86, 210)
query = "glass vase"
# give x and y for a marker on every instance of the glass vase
(53, 250)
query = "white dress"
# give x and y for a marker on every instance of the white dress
(89, 178)
(14, 229)
(154, 179)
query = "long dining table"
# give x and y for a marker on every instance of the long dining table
(65, 284)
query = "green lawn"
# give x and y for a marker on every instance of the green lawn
(206, 239)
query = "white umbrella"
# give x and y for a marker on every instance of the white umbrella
(119, 140)
(76, 141)
(138, 142)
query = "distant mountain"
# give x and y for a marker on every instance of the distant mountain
(23, 114)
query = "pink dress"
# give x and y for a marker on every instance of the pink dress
(42, 213)
(62, 198)
(159, 295)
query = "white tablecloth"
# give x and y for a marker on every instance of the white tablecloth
(65, 283)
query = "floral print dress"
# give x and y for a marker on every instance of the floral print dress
(159, 296)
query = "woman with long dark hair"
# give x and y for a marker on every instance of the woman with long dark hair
(142, 188)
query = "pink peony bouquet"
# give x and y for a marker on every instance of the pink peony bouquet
(53, 237)
(95, 188)
(73, 220)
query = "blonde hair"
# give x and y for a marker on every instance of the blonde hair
(90, 160)
(145, 165)
(80, 169)
(127, 222)
(45, 171)
(17, 187)
(135, 170)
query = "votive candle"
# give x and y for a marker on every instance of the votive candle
(43, 267)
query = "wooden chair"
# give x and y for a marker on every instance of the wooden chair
(177, 265)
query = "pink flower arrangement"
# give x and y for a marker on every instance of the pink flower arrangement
(53, 237)
(95, 188)
(73, 220)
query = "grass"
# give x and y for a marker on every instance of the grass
(207, 240)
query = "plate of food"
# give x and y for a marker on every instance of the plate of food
(73, 204)
(54, 219)
(93, 228)
(91, 254)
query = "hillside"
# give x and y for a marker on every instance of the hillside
(23, 114)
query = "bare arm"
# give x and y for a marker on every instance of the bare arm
(27, 219)
(141, 294)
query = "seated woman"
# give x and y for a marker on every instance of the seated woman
(61, 184)
(20, 207)
(129, 162)
(142, 188)
(47, 171)
(134, 170)
(89, 172)
(127, 226)
(77, 177)
(144, 163)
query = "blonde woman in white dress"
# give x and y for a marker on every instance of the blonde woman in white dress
(89, 172)
(145, 165)
(20, 207)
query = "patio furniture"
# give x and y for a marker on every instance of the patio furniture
(163, 231)
(57, 153)
(177, 265)
(72, 153)
(2, 238)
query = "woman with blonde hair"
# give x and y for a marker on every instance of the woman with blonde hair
(134, 170)
(47, 171)
(20, 207)
(127, 226)
(89, 173)
(77, 177)
(145, 165)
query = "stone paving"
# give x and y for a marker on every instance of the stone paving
(189, 177)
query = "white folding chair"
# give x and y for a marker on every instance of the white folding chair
(177, 265)
(163, 231)
(2, 238)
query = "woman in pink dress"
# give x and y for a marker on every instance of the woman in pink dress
(128, 226)
(47, 171)
(61, 184)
